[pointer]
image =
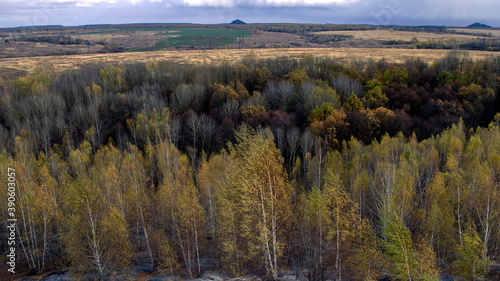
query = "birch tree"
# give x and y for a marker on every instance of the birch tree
(96, 235)
(259, 202)
(181, 217)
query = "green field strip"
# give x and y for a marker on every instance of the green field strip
(196, 38)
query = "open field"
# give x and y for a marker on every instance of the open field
(494, 32)
(17, 45)
(191, 38)
(11, 68)
(127, 40)
(130, 39)
(148, 40)
(201, 37)
(386, 35)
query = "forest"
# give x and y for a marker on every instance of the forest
(340, 170)
(474, 44)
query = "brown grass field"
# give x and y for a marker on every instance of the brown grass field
(12, 68)
(13, 49)
(386, 35)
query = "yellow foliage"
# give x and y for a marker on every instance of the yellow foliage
(113, 78)
(250, 111)
(297, 76)
(255, 208)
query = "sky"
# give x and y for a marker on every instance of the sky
(15, 13)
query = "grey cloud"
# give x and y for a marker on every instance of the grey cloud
(402, 12)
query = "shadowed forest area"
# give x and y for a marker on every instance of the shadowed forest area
(337, 170)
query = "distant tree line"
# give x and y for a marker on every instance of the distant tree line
(294, 28)
(272, 27)
(59, 39)
(349, 171)
(325, 38)
(66, 40)
(34, 28)
(480, 44)
(424, 28)
(472, 33)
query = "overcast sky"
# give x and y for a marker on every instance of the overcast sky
(399, 12)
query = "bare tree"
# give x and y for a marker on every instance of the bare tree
(454, 60)
(230, 107)
(255, 100)
(306, 142)
(207, 130)
(79, 118)
(193, 125)
(172, 131)
(306, 145)
(199, 92)
(279, 95)
(182, 98)
(148, 98)
(286, 93)
(346, 86)
(305, 90)
(45, 115)
(292, 140)
(271, 94)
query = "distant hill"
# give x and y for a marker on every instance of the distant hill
(237, 21)
(479, 25)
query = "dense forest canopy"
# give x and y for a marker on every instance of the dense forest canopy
(361, 99)
(346, 170)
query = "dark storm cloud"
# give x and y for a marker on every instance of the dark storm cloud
(379, 12)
